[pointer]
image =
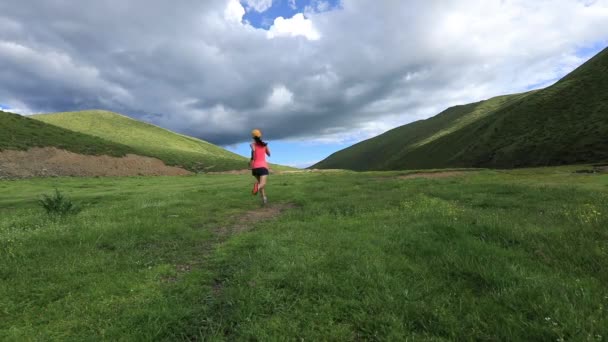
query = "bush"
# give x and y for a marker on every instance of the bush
(58, 204)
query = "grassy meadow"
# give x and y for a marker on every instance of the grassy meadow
(482, 255)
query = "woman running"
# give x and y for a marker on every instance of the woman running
(259, 166)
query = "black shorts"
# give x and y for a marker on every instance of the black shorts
(260, 171)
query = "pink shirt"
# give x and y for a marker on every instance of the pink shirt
(259, 156)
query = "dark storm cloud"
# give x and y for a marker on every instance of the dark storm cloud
(187, 67)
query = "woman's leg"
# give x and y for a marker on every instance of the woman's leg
(256, 186)
(262, 187)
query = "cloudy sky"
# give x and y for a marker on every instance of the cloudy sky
(314, 75)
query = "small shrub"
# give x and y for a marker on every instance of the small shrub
(57, 204)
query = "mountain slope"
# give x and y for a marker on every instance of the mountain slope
(389, 148)
(563, 124)
(21, 133)
(148, 140)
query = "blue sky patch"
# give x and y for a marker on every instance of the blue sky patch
(585, 52)
(285, 9)
(591, 50)
(542, 84)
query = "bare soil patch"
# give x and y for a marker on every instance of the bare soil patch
(53, 162)
(594, 169)
(246, 221)
(603, 168)
(231, 172)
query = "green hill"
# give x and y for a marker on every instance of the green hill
(21, 133)
(382, 151)
(148, 140)
(566, 123)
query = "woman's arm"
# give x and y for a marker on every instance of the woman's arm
(252, 155)
(268, 151)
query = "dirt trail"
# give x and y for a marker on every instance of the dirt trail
(601, 168)
(231, 172)
(243, 223)
(52, 162)
(246, 221)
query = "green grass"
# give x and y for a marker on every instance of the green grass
(21, 133)
(149, 140)
(565, 123)
(489, 255)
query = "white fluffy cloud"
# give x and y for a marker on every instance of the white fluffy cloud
(338, 75)
(298, 25)
(234, 11)
(280, 98)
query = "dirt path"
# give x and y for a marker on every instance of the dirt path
(231, 172)
(243, 223)
(602, 168)
(246, 221)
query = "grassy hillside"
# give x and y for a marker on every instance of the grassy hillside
(516, 255)
(21, 133)
(382, 151)
(148, 140)
(563, 124)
